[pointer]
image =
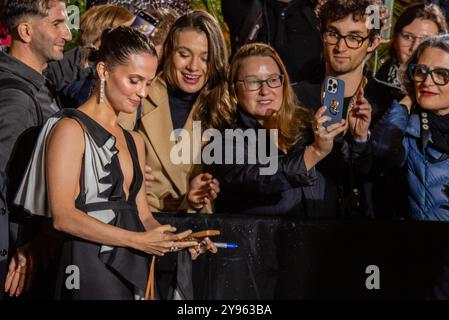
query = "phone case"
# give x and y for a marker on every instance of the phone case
(333, 99)
(145, 23)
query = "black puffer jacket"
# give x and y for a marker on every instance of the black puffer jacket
(291, 189)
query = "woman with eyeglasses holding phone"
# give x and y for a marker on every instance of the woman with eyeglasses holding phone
(272, 176)
(414, 133)
(416, 23)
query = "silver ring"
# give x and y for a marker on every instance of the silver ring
(173, 248)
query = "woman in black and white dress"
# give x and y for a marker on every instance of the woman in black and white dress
(86, 175)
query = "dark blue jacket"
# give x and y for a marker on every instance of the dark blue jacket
(397, 140)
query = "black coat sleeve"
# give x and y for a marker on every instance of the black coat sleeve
(286, 172)
(348, 160)
(17, 115)
(69, 69)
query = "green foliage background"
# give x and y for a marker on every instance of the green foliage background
(82, 7)
(382, 55)
(214, 7)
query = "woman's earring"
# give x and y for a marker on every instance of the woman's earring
(102, 91)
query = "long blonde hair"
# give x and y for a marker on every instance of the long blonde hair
(212, 105)
(293, 120)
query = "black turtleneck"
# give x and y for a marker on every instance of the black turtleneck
(180, 105)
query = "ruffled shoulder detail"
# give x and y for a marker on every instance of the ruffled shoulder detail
(97, 183)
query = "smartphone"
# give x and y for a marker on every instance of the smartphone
(333, 99)
(145, 23)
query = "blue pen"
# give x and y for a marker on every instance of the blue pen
(225, 245)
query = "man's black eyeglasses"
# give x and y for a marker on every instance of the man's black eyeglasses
(352, 41)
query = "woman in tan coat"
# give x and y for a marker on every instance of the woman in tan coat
(191, 87)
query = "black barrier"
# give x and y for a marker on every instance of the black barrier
(284, 258)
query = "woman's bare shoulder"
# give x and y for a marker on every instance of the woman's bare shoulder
(67, 131)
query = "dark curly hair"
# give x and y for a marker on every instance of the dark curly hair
(334, 10)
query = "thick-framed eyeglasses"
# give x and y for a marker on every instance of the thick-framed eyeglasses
(253, 84)
(408, 39)
(352, 41)
(419, 73)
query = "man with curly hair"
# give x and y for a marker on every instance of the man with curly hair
(351, 32)
(349, 37)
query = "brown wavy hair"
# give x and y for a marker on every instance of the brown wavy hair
(293, 120)
(212, 105)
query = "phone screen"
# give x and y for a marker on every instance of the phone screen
(145, 23)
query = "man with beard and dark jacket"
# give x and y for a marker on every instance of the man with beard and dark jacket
(39, 33)
(289, 26)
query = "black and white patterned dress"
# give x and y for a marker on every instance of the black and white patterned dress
(105, 272)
